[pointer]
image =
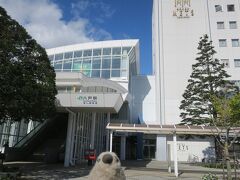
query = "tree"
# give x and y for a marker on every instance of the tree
(207, 79)
(27, 89)
(227, 119)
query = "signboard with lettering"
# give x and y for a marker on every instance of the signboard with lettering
(87, 99)
(182, 9)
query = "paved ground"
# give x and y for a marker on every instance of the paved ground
(134, 170)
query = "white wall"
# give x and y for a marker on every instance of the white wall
(194, 149)
(143, 99)
(175, 42)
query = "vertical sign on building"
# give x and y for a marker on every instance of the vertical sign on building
(182, 9)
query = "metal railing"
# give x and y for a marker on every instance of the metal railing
(28, 136)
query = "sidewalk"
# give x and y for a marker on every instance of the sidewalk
(134, 170)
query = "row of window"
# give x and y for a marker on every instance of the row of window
(232, 25)
(230, 8)
(223, 42)
(81, 89)
(226, 62)
(90, 52)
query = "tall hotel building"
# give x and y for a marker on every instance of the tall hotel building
(99, 83)
(177, 26)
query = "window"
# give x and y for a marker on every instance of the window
(77, 65)
(86, 64)
(96, 63)
(78, 54)
(107, 51)
(68, 55)
(87, 53)
(233, 24)
(222, 43)
(58, 66)
(115, 73)
(220, 25)
(237, 62)
(230, 7)
(97, 52)
(106, 63)
(235, 42)
(58, 57)
(117, 51)
(96, 73)
(106, 74)
(116, 62)
(225, 62)
(218, 8)
(67, 65)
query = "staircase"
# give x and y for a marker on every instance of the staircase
(43, 143)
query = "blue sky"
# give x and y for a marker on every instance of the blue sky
(60, 22)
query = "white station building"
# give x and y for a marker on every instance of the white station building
(100, 83)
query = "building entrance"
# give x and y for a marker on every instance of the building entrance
(149, 147)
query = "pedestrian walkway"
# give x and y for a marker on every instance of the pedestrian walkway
(134, 170)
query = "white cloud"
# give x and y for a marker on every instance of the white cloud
(85, 8)
(43, 20)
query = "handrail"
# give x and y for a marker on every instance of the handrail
(30, 134)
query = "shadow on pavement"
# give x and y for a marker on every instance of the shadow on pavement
(49, 171)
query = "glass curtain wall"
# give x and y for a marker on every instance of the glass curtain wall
(97, 63)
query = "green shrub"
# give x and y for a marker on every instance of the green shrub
(210, 176)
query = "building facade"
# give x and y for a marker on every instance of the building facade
(100, 82)
(177, 26)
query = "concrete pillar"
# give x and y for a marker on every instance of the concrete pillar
(123, 148)
(161, 148)
(93, 125)
(68, 141)
(107, 136)
(139, 146)
(111, 139)
(175, 154)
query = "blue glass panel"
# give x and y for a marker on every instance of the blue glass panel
(68, 55)
(115, 73)
(95, 73)
(77, 54)
(107, 51)
(87, 53)
(58, 57)
(96, 64)
(116, 62)
(97, 52)
(106, 74)
(106, 63)
(86, 64)
(58, 65)
(67, 65)
(77, 65)
(116, 51)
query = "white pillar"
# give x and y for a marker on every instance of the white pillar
(73, 135)
(68, 141)
(107, 137)
(123, 148)
(161, 151)
(175, 154)
(93, 130)
(111, 139)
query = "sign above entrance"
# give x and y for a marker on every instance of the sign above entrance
(87, 99)
(182, 9)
